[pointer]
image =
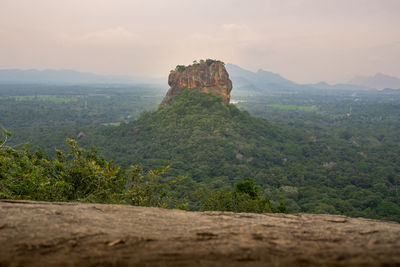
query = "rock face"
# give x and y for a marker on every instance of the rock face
(204, 77)
(74, 234)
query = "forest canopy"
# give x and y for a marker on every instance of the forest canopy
(332, 152)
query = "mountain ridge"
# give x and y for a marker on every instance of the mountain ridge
(258, 81)
(243, 79)
(266, 81)
(379, 81)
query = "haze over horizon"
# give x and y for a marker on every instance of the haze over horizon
(305, 41)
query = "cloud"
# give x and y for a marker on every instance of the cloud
(305, 40)
(110, 37)
(202, 37)
(235, 27)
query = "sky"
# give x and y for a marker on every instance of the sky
(303, 40)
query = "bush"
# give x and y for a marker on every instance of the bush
(180, 68)
(245, 198)
(81, 175)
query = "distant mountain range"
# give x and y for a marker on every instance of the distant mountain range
(258, 81)
(243, 80)
(263, 81)
(379, 81)
(51, 76)
(266, 81)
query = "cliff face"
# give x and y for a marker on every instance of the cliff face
(207, 78)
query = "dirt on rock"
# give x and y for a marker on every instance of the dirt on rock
(76, 234)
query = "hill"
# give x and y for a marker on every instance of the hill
(73, 234)
(210, 142)
(214, 145)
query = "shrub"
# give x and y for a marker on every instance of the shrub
(180, 68)
(80, 175)
(245, 198)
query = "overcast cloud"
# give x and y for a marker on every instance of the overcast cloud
(303, 40)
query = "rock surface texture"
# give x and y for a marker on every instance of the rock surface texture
(73, 234)
(205, 78)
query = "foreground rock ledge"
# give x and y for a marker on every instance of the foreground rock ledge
(74, 234)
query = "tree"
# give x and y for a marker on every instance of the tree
(180, 68)
(81, 175)
(247, 187)
(245, 198)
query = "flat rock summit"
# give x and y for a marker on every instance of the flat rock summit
(209, 76)
(76, 234)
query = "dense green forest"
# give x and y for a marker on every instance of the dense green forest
(45, 115)
(318, 151)
(86, 176)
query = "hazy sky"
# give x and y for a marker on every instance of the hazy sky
(303, 40)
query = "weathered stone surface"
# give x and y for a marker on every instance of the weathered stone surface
(73, 234)
(208, 79)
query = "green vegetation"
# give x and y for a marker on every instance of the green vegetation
(246, 197)
(211, 144)
(214, 145)
(343, 158)
(80, 175)
(211, 61)
(208, 62)
(292, 107)
(180, 68)
(111, 124)
(48, 123)
(86, 176)
(356, 137)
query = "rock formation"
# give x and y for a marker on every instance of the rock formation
(75, 234)
(208, 76)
